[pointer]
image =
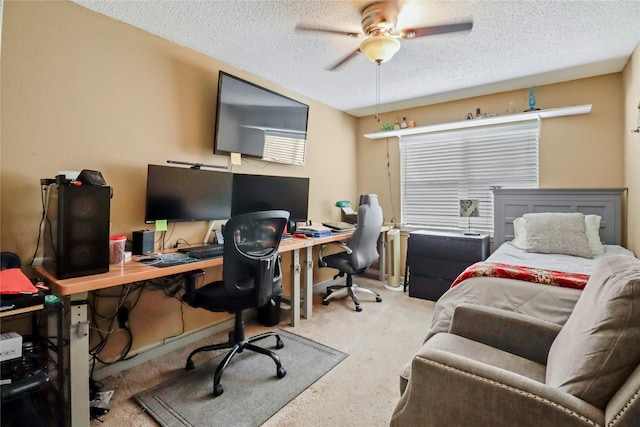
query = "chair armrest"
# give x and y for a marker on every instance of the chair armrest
(516, 333)
(449, 390)
(190, 281)
(346, 248)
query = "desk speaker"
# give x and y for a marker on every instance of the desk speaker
(76, 240)
(142, 242)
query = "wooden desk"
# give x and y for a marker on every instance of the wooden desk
(77, 288)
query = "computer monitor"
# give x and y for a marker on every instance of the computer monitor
(252, 193)
(180, 194)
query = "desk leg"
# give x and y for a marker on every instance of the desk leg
(307, 308)
(383, 257)
(79, 360)
(295, 288)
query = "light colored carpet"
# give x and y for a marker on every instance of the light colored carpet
(361, 391)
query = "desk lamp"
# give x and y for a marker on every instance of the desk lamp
(469, 208)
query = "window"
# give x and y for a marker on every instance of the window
(284, 147)
(440, 168)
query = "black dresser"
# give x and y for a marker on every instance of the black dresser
(435, 259)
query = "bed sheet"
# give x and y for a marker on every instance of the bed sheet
(509, 254)
(550, 303)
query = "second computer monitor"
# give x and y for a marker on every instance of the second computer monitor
(252, 193)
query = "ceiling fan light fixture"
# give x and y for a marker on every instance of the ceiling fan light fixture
(380, 48)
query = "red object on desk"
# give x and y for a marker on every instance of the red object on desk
(300, 235)
(14, 282)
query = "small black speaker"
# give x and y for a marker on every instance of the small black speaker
(142, 242)
(76, 240)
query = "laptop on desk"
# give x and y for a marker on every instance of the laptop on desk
(339, 225)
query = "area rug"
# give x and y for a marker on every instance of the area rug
(252, 392)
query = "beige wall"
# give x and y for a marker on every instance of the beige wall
(83, 91)
(631, 102)
(575, 151)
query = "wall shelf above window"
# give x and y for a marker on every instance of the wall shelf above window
(462, 124)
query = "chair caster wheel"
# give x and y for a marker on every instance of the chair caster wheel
(358, 308)
(325, 302)
(281, 372)
(279, 344)
(189, 366)
(217, 390)
(378, 299)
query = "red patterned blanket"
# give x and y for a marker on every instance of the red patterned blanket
(527, 274)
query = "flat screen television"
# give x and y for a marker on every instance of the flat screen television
(187, 194)
(252, 193)
(259, 123)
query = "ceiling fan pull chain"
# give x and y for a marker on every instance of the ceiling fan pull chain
(378, 94)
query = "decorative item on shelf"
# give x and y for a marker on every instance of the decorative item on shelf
(386, 126)
(396, 125)
(470, 116)
(411, 124)
(468, 209)
(403, 123)
(637, 129)
(478, 114)
(532, 99)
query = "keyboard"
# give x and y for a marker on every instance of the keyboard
(204, 252)
(339, 226)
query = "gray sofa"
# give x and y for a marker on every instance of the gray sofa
(499, 368)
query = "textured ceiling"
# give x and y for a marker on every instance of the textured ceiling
(513, 44)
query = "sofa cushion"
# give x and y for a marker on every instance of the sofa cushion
(597, 349)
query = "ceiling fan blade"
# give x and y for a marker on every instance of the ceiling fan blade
(410, 33)
(328, 30)
(345, 59)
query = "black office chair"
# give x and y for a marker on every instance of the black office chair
(251, 278)
(360, 251)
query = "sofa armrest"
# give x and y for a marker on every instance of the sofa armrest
(516, 333)
(446, 389)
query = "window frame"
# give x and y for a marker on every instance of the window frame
(444, 155)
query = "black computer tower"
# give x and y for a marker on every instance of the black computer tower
(76, 234)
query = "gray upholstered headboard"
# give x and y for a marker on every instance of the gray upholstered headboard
(509, 204)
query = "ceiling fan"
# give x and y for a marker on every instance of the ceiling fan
(381, 40)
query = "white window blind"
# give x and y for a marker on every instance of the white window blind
(284, 147)
(441, 168)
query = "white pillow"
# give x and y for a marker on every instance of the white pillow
(592, 223)
(592, 230)
(519, 233)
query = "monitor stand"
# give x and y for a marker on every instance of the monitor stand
(211, 229)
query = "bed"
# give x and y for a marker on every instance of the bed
(546, 302)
